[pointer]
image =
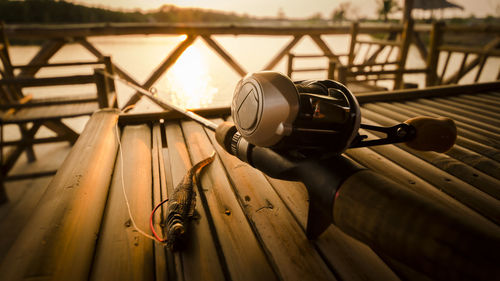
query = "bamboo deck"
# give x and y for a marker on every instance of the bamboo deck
(249, 227)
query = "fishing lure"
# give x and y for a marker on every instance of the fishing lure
(181, 206)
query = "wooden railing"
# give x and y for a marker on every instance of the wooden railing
(56, 36)
(478, 53)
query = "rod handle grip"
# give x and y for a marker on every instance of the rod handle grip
(432, 134)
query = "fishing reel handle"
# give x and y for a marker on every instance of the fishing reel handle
(432, 134)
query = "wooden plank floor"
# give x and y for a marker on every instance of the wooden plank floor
(252, 227)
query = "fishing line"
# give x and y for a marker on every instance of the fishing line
(156, 238)
(151, 95)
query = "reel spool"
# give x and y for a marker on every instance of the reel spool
(269, 110)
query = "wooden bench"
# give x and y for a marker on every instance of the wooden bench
(48, 113)
(22, 109)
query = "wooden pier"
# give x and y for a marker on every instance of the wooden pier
(250, 226)
(75, 225)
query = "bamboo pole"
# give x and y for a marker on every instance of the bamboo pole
(352, 45)
(435, 40)
(69, 213)
(452, 245)
(406, 37)
(289, 68)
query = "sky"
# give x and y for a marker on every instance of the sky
(291, 8)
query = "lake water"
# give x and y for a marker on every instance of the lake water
(200, 78)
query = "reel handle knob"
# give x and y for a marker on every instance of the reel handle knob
(432, 134)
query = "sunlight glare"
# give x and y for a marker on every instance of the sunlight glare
(188, 82)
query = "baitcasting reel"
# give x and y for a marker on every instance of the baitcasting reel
(318, 118)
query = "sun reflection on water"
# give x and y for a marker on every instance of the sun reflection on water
(189, 84)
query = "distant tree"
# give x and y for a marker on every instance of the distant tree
(386, 7)
(316, 17)
(340, 12)
(50, 11)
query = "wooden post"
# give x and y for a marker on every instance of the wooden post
(3, 194)
(342, 74)
(290, 65)
(354, 35)
(102, 88)
(407, 8)
(331, 69)
(406, 37)
(435, 41)
(108, 66)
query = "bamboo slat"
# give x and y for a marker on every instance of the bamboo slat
(471, 106)
(494, 121)
(51, 112)
(455, 187)
(350, 259)
(234, 233)
(465, 119)
(458, 151)
(200, 260)
(437, 239)
(122, 253)
(485, 106)
(282, 237)
(174, 260)
(478, 140)
(490, 99)
(162, 261)
(464, 172)
(69, 213)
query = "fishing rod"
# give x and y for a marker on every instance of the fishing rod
(299, 130)
(163, 104)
